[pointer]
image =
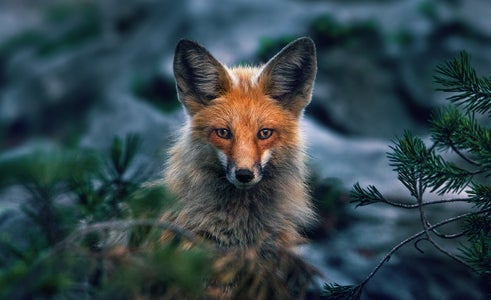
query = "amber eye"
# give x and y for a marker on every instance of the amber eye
(223, 133)
(265, 133)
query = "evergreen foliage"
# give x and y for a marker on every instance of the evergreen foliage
(456, 162)
(86, 219)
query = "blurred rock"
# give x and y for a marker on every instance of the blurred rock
(359, 95)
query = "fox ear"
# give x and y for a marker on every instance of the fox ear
(289, 76)
(200, 78)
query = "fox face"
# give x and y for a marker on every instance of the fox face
(244, 146)
(248, 115)
(246, 132)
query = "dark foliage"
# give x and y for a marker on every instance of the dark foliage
(427, 168)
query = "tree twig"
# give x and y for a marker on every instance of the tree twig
(126, 224)
(416, 205)
(416, 236)
(446, 236)
(470, 161)
(426, 225)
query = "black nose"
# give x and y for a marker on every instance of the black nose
(244, 175)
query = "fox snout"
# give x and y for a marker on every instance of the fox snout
(244, 177)
(242, 172)
(243, 155)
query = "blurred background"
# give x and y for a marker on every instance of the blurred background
(79, 72)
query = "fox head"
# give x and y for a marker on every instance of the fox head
(249, 115)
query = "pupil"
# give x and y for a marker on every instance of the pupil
(223, 133)
(264, 133)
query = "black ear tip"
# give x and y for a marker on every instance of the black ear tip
(305, 39)
(304, 42)
(184, 44)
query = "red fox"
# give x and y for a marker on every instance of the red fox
(238, 165)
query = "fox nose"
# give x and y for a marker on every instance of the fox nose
(244, 175)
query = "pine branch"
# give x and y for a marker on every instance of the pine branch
(366, 196)
(447, 236)
(417, 236)
(426, 225)
(349, 289)
(462, 133)
(414, 162)
(445, 177)
(457, 76)
(478, 250)
(480, 196)
(371, 195)
(422, 168)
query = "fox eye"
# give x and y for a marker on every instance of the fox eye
(223, 133)
(265, 133)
